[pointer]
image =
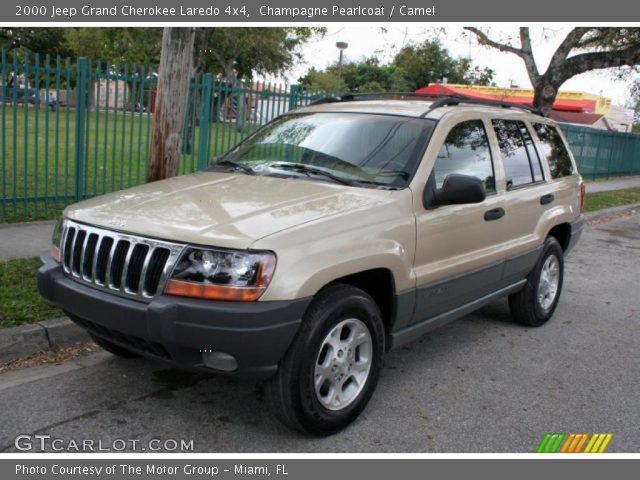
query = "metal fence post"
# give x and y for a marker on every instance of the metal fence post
(82, 90)
(205, 121)
(293, 97)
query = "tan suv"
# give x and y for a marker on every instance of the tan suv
(336, 232)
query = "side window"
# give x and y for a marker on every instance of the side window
(534, 158)
(554, 149)
(466, 151)
(521, 162)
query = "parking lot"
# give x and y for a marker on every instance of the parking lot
(481, 384)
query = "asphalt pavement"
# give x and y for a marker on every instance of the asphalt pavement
(480, 384)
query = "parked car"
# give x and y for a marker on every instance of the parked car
(336, 232)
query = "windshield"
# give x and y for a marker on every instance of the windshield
(360, 149)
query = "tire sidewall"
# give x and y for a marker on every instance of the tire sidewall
(551, 247)
(315, 417)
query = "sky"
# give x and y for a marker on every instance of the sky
(365, 41)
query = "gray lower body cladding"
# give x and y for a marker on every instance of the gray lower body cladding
(439, 303)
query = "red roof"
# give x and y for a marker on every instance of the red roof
(562, 104)
(576, 117)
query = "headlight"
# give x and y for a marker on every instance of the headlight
(221, 274)
(55, 240)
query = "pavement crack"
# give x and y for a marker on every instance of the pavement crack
(89, 414)
(162, 393)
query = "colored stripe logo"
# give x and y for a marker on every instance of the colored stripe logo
(555, 442)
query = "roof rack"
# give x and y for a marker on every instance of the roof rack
(440, 100)
(457, 99)
(352, 97)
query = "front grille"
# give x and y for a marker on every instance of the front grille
(123, 264)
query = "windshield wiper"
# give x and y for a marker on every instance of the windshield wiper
(394, 173)
(310, 170)
(227, 161)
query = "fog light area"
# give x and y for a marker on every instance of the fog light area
(220, 361)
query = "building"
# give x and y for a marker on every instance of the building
(110, 94)
(580, 108)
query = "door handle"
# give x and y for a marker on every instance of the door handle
(493, 214)
(546, 199)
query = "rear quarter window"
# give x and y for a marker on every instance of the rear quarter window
(554, 150)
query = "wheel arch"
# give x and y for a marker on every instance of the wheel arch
(562, 233)
(379, 283)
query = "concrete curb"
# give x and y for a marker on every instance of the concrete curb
(25, 340)
(611, 213)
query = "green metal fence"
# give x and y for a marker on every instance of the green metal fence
(74, 129)
(603, 154)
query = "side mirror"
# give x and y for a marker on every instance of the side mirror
(456, 189)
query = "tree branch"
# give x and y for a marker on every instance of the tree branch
(571, 41)
(525, 52)
(598, 60)
(485, 40)
(527, 57)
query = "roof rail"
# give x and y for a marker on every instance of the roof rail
(439, 100)
(352, 97)
(457, 99)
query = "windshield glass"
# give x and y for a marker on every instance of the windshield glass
(364, 149)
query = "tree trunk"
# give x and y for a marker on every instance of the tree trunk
(545, 93)
(174, 76)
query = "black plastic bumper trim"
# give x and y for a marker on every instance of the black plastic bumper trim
(257, 334)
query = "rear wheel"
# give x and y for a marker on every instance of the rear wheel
(535, 303)
(331, 370)
(112, 347)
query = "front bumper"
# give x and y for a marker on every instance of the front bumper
(178, 329)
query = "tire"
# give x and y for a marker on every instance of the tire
(341, 343)
(534, 305)
(117, 350)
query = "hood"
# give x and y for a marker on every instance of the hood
(221, 209)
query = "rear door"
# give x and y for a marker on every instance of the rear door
(528, 195)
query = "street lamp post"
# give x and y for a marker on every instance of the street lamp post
(342, 46)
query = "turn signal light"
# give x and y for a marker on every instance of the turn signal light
(55, 253)
(213, 292)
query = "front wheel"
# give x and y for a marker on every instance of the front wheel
(331, 370)
(535, 303)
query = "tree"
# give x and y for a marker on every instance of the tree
(430, 62)
(413, 67)
(40, 40)
(236, 53)
(86, 42)
(362, 76)
(636, 118)
(582, 50)
(174, 75)
(133, 45)
(324, 80)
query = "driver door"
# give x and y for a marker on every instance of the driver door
(458, 246)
